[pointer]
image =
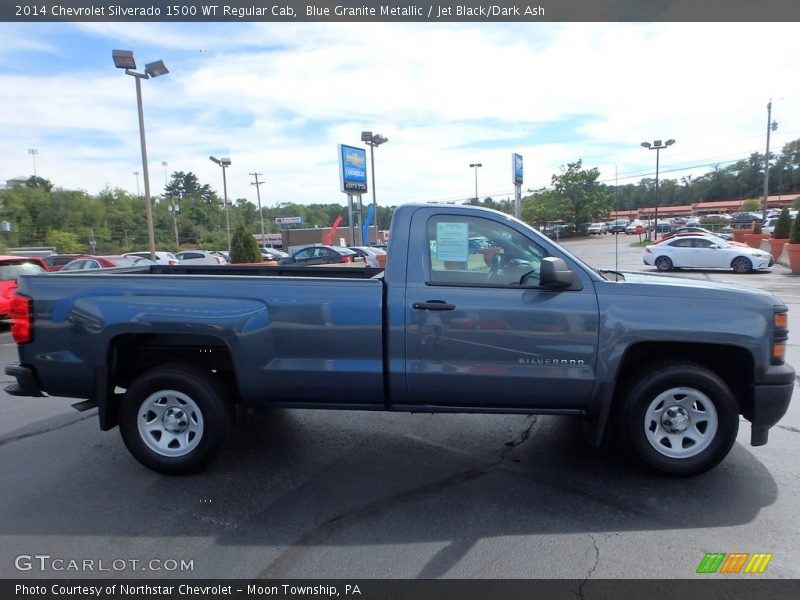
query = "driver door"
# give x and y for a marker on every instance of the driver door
(481, 332)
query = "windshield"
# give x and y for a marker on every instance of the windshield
(13, 271)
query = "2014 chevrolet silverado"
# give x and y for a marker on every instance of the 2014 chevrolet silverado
(514, 324)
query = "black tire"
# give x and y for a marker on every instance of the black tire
(175, 419)
(663, 263)
(679, 418)
(741, 264)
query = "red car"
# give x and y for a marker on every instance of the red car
(11, 267)
(105, 262)
(55, 262)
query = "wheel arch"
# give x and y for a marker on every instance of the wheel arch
(131, 354)
(733, 364)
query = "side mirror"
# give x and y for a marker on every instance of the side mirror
(554, 273)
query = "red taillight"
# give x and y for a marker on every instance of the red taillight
(20, 315)
(218, 259)
(345, 259)
(174, 261)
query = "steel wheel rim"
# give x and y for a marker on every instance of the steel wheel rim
(170, 423)
(681, 422)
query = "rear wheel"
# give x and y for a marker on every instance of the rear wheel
(741, 264)
(680, 418)
(663, 263)
(175, 419)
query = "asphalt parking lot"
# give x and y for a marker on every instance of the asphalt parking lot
(333, 494)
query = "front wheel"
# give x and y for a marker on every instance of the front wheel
(679, 418)
(175, 419)
(741, 264)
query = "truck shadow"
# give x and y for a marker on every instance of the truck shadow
(297, 480)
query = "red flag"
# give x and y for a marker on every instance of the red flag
(329, 236)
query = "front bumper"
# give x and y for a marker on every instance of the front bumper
(770, 402)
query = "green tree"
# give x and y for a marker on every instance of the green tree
(244, 247)
(65, 242)
(39, 182)
(543, 207)
(751, 205)
(783, 227)
(587, 198)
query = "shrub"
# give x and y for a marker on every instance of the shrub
(750, 205)
(244, 247)
(783, 226)
(794, 237)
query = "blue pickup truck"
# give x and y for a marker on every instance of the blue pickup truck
(514, 324)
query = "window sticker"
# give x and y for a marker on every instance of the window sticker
(452, 241)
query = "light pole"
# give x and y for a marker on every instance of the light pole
(136, 173)
(771, 126)
(372, 141)
(123, 59)
(260, 214)
(173, 207)
(33, 152)
(475, 166)
(225, 163)
(657, 146)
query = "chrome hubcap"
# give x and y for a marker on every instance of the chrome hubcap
(175, 420)
(675, 419)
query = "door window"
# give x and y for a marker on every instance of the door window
(476, 251)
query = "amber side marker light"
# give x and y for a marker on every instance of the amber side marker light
(780, 323)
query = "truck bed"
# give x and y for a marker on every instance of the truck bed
(269, 271)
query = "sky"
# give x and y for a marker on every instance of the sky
(277, 98)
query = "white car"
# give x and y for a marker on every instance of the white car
(200, 257)
(162, 258)
(373, 257)
(597, 229)
(701, 252)
(632, 226)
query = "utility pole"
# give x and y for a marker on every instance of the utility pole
(771, 126)
(257, 183)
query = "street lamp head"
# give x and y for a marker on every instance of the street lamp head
(670, 142)
(222, 162)
(366, 136)
(123, 59)
(646, 144)
(475, 165)
(378, 139)
(156, 69)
